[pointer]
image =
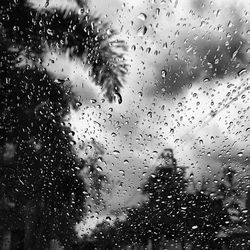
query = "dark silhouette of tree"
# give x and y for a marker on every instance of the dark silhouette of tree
(41, 175)
(205, 217)
(84, 36)
(232, 193)
(248, 206)
(166, 190)
(160, 218)
(104, 237)
(170, 213)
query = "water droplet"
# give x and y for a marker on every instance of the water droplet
(78, 104)
(230, 24)
(242, 71)
(149, 114)
(140, 94)
(46, 3)
(142, 31)
(119, 97)
(108, 218)
(98, 168)
(113, 134)
(97, 123)
(148, 50)
(109, 32)
(49, 32)
(93, 100)
(116, 152)
(142, 16)
(122, 172)
(163, 73)
(72, 142)
(81, 11)
(240, 154)
(165, 45)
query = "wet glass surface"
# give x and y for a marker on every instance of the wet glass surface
(124, 124)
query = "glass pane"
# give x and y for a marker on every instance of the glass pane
(124, 124)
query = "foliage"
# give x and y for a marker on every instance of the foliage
(204, 219)
(170, 213)
(86, 37)
(41, 175)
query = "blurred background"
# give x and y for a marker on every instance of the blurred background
(187, 89)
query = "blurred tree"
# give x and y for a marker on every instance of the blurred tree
(160, 218)
(170, 213)
(166, 191)
(233, 196)
(39, 165)
(248, 205)
(205, 217)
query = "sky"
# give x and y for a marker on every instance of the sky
(187, 89)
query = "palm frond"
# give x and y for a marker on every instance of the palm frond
(87, 38)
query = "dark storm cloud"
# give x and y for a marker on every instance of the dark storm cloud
(208, 58)
(209, 51)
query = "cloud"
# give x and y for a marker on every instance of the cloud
(203, 50)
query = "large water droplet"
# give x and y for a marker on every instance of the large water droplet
(142, 31)
(163, 73)
(116, 152)
(50, 32)
(108, 218)
(98, 168)
(142, 16)
(119, 97)
(240, 154)
(242, 71)
(206, 80)
(93, 101)
(148, 50)
(165, 45)
(149, 114)
(113, 134)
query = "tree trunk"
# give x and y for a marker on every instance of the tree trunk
(150, 245)
(183, 244)
(31, 237)
(6, 243)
